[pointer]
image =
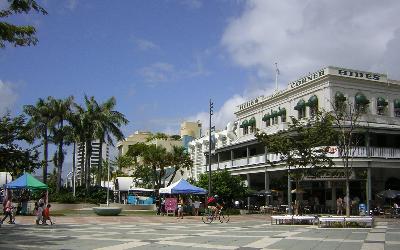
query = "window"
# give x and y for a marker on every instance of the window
(245, 127)
(282, 114)
(381, 105)
(274, 115)
(361, 103)
(252, 125)
(301, 109)
(313, 104)
(266, 119)
(397, 108)
(339, 101)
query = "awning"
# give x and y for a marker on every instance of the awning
(339, 97)
(300, 105)
(252, 122)
(361, 99)
(381, 102)
(282, 112)
(266, 117)
(397, 104)
(244, 124)
(313, 101)
(274, 114)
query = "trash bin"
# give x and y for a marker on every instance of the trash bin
(362, 208)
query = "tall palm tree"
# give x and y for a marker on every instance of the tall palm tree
(61, 110)
(40, 119)
(107, 125)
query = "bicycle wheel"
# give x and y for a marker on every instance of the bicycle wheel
(224, 218)
(207, 218)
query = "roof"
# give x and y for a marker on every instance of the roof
(26, 181)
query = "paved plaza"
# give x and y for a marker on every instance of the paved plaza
(170, 233)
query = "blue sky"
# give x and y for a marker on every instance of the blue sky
(164, 59)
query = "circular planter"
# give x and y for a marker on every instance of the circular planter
(107, 211)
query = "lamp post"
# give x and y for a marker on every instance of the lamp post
(289, 193)
(209, 150)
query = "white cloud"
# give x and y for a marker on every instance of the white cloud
(8, 96)
(144, 45)
(303, 36)
(158, 72)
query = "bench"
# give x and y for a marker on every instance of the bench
(308, 218)
(281, 219)
(330, 219)
(366, 220)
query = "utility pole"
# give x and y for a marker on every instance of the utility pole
(209, 150)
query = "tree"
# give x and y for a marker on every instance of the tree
(107, 125)
(60, 110)
(157, 159)
(19, 35)
(180, 160)
(14, 158)
(303, 147)
(160, 136)
(225, 185)
(346, 118)
(39, 122)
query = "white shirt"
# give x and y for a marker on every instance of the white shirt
(196, 204)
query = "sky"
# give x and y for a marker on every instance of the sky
(163, 60)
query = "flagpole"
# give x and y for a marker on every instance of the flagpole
(276, 77)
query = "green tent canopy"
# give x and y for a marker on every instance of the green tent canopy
(26, 181)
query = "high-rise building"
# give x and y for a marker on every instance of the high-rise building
(189, 132)
(94, 158)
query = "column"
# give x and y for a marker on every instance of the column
(218, 158)
(266, 186)
(289, 193)
(248, 155)
(368, 187)
(367, 142)
(248, 186)
(333, 186)
(232, 155)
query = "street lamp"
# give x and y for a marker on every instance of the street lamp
(209, 150)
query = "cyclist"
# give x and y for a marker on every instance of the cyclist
(215, 204)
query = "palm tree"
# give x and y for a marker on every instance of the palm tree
(107, 125)
(40, 118)
(61, 110)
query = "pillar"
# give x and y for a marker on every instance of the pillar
(333, 186)
(248, 186)
(248, 155)
(266, 187)
(368, 187)
(232, 155)
(289, 193)
(218, 158)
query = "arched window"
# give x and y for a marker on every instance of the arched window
(361, 103)
(339, 101)
(282, 114)
(245, 127)
(301, 109)
(267, 120)
(252, 125)
(313, 104)
(381, 105)
(397, 108)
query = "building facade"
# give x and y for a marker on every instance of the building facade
(376, 161)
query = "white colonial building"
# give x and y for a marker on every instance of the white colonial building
(376, 160)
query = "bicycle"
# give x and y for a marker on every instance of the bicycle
(210, 216)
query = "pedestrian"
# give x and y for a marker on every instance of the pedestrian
(196, 207)
(8, 211)
(339, 206)
(39, 214)
(180, 208)
(46, 215)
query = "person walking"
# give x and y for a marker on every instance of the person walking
(8, 211)
(196, 207)
(180, 208)
(339, 206)
(39, 216)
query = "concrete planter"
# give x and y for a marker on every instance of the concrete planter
(107, 211)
